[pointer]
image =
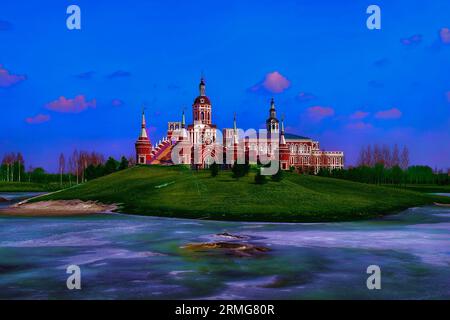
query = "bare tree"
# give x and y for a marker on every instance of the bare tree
(131, 161)
(20, 163)
(395, 156)
(71, 169)
(76, 162)
(5, 163)
(404, 158)
(30, 170)
(369, 156)
(62, 166)
(386, 156)
(362, 160)
(376, 154)
(83, 163)
(9, 162)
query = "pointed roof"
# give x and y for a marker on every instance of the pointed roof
(202, 87)
(235, 135)
(282, 139)
(143, 127)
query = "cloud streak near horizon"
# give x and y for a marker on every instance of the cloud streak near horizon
(40, 118)
(8, 79)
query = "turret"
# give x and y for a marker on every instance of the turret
(202, 87)
(143, 127)
(283, 150)
(273, 112)
(272, 122)
(235, 131)
(201, 108)
(143, 145)
(282, 139)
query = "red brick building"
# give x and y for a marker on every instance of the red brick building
(200, 143)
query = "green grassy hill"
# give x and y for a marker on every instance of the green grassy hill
(180, 192)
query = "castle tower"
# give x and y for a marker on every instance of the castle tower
(283, 150)
(272, 123)
(183, 131)
(235, 132)
(143, 145)
(183, 121)
(235, 145)
(201, 109)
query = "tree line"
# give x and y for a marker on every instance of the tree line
(385, 165)
(78, 167)
(369, 156)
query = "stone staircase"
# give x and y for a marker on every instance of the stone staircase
(161, 153)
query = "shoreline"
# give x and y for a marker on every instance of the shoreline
(72, 208)
(56, 208)
(76, 207)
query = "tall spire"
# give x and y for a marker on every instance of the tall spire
(202, 87)
(273, 113)
(143, 125)
(282, 138)
(235, 132)
(183, 120)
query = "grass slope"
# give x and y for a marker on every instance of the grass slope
(428, 188)
(180, 192)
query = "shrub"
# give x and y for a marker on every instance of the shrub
(214, 169)
(240, 170)
(259, 178)
(278, 176)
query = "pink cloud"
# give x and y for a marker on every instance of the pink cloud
(40, 118)
(75, 105)
(393, 113)
(360, 125)
(274, 82)
(318, 113)
(304, 97)
(117, 103)
(7, 79)
(444, 34)
(359, 115)
(413, 40)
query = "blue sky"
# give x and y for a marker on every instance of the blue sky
(335, 80)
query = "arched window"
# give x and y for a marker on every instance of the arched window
(203, 116)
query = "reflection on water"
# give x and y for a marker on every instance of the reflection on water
(136, 257)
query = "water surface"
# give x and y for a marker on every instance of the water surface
(134, 257)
